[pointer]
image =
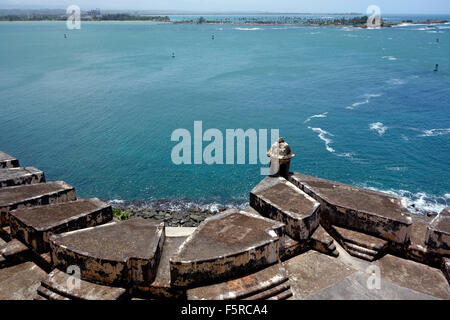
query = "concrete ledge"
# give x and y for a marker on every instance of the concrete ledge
(33, 195)
(278, 199)
(19, 176)
(367, 211)
(117, 253)
(35, 225)
(7, 161)
(226, 245)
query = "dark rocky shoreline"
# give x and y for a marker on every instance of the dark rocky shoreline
(174, 213)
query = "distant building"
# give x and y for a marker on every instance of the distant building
(94, 13)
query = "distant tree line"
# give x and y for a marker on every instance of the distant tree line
(105, 17)
(32, 18)
(270, 20)
(129, 17)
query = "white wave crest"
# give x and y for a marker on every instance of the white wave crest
(366, 101)
(378, 127)
(322, 115)
(390, 58)
(396, 82)
(435, 132)
(247, 29)
(322, 134)
(420, 202)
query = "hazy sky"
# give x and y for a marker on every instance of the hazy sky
(329, 6)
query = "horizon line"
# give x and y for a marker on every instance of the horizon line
(228, 12)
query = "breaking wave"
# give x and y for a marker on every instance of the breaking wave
(379, 127)
(247, 29)
(435, 132)
(366, 101)
(322, 115)
(420, 202)
(390, 58)
(322, 134)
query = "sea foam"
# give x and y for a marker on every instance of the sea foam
(435, 132)
(419, 202)
(322, 134)
(247, 29)
(366, 101)
(378, 127)
(322, 115)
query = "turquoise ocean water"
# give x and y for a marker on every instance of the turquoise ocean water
(97, 109)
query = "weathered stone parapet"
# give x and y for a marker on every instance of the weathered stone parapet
(438, 234)
(230, 244)
(19, 176)
(371, 212)
(278, 199)
(56, 286)
(446, 268)
(117, 253)
(7, 161)
(262, 284)
(35, 225)
(17, 197)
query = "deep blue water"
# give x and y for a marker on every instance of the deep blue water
(97, 109)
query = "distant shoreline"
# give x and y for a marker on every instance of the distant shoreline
(362, 26)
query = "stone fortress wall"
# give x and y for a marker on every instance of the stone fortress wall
(302, 237)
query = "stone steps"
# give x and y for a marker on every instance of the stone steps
(35, 225)
(56, 287)
(19, 176)
(225, 246)
(40, 298)
(285, 295)
(17, 197)
(49, 295)
(280, 200)
(358, 244)
(117, 254)
(321, 241)
(7, 161)
(262, 284)
(290, 248)
(278, 292)
(12, 253)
